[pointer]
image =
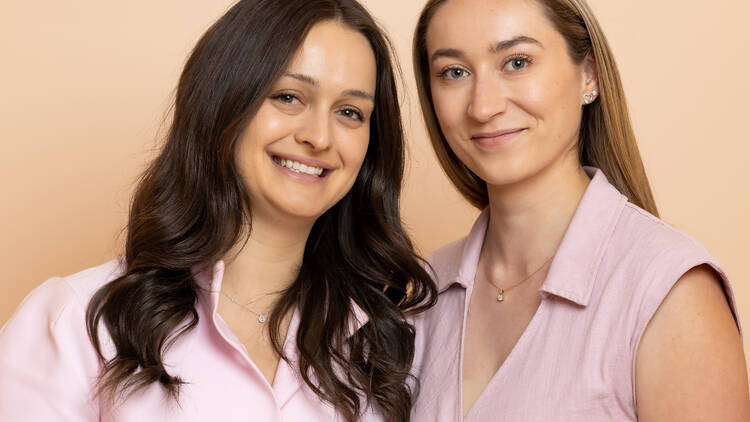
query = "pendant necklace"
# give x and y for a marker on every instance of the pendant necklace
(501, 292)
(261, 317)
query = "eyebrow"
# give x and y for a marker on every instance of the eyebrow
(313, 82)
(303, 78)
(521, 39)
(502, 45)
(446, 52)
(359, 94)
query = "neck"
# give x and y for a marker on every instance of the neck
(269, 262)
(528, 219)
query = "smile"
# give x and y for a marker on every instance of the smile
(299, 167)
(498, 138)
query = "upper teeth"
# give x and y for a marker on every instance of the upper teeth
(299, 167)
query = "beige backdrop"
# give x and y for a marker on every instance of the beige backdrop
(84, 87)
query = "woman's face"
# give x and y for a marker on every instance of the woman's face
(507, 96)
(302, 151)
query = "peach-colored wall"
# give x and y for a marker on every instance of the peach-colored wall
(85, 85)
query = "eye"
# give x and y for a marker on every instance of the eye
(352, 113)
(286, 98)
(453, 73)
(517, 63)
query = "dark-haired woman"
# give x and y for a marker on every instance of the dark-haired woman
(569, 300)
(266, 269)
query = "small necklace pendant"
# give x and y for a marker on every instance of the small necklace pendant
(262, 318)
(500, 295)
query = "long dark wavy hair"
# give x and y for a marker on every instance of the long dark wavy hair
(191, 207)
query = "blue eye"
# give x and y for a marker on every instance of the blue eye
(453, 73)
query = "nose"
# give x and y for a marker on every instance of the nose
(487, 99)
(314, 130)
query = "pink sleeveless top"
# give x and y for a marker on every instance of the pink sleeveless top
(576, 359)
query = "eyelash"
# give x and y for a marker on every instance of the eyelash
(280, 97)
(443, 74)
(359, 117)
(283, 98)
(518, 57)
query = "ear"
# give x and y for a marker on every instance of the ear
(590, 78)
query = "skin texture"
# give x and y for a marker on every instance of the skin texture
(690, 365)
(535, 182)
(318, 110)
(311, 115)
(530, 87)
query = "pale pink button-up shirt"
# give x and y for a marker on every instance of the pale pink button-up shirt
(575, 360)
(48, 365)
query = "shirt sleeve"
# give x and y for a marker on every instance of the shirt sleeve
(48, 367)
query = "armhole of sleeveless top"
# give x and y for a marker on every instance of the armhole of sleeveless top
(658, 291)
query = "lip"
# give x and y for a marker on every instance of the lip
(310, 162)
(497, 138)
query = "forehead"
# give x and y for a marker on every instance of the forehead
(472, 25)
(337, 56)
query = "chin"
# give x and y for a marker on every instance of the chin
(302, 214)
(503, 180)
(504, 172)
(302, 211)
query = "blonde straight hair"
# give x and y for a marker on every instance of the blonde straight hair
(606, 141)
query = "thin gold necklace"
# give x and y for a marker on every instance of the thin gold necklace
(261, 317)
(501, 292)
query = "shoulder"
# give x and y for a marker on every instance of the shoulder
(653, 254)
(645, 235)
(85, 283)
(644, 260)
(673, 292)
(64, 295)
(58, 293)
(445, 262)
(693, 344)
(59, 301)
(47, 361)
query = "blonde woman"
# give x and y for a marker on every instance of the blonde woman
(569, 300)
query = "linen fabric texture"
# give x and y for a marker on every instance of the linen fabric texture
(576, 359)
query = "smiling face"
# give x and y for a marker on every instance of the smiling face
(507, 95)
(302, 151)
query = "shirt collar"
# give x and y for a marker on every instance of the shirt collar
(287, 381)
(573, 270)
(463, 274)
(209, 281)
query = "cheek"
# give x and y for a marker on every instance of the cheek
(568, 112)
(539, 95)
(269, 125)
(353, 146)
(265, 128)
(552, 100)
(449, 108)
